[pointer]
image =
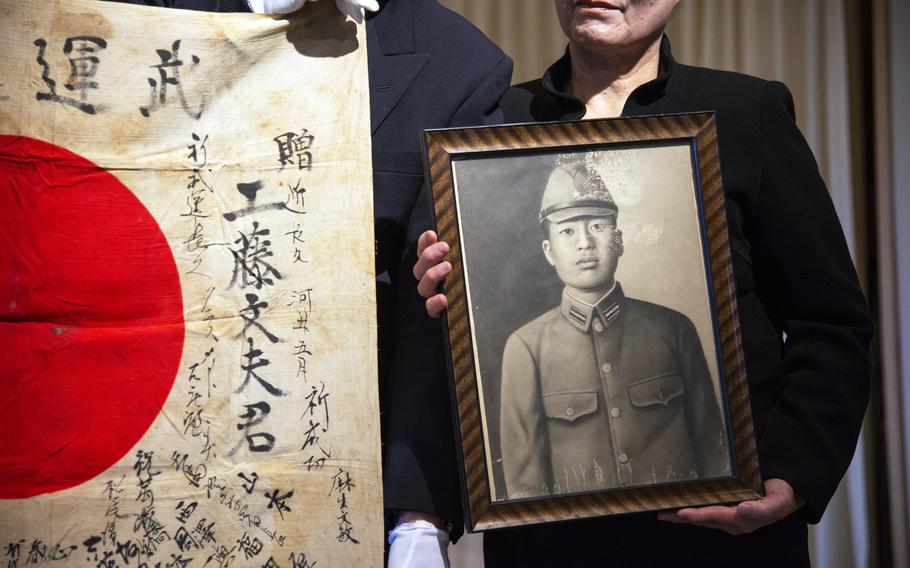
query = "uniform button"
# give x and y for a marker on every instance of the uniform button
(598, 327)
(615, 412)
(606, 367)
(661, 395)
(570, 411)
(623, 458)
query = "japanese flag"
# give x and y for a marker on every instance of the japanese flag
(187, 310)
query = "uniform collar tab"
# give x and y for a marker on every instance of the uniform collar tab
(583, 315)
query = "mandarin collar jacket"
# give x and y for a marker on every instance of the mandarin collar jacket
(804, 322)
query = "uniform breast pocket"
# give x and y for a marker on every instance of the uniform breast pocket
(656, 391)
(570, 406)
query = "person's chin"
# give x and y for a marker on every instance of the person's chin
(589, 282)
(593, 34)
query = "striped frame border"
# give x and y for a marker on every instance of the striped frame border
(440, 147)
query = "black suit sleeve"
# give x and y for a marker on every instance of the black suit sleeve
(421, 465)
(807, 282)
(482, 107)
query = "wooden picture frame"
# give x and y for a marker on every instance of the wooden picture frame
(559, 420)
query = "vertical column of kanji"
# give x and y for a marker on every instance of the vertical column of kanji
(264, 389)
(176, 520)
(323, 246)
(201, 383)
(294, 152)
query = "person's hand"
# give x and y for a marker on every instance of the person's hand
(430, 270)
(275, 6)
(418, 541)
(778, 502)
(353, 8)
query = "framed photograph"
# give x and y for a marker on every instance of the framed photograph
(595, 353)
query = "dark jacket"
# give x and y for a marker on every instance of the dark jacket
(805, 325)
(429, 68)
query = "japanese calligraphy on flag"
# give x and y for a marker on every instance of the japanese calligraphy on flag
(187, 307)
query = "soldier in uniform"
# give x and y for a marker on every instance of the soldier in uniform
(602, 391)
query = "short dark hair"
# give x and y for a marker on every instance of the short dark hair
(545, 225)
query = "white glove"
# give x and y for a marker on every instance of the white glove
(418, 544)
(275, 6)
(355, 8)
(352, 8)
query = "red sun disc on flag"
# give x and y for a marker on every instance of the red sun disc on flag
(91, 318)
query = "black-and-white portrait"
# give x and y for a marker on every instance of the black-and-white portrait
(590, 308)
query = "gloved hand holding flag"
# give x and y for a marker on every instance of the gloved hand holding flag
(353, 8)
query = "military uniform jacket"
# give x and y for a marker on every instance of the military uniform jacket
(609, 396)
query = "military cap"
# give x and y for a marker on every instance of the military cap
(573, 190)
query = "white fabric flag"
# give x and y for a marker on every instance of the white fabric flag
(187, 306)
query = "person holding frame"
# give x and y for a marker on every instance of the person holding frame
(805, 324)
